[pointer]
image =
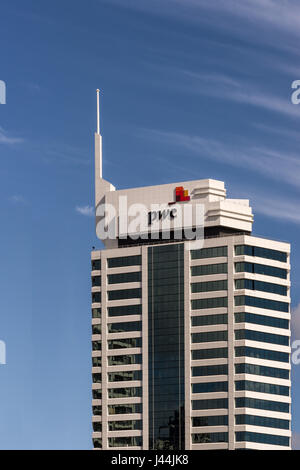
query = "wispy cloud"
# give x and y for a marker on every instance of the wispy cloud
(282, 209)
(18, 199)
(222, 87)
(295, 322)
(280, 15)
(279, 166)
(87, 211)
(5, 138)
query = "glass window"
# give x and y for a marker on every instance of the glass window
(213, 252)
(247, 351)
(96, 361)
(96, 329)
(124, 375)
(261, 269)
(124, 409)
(96, 313)
(125, 441)
(209, 437)
(124, 425)
(125, 392)
(262, 421)
(97, 410)
(96, 345)
(262, 438)
(242, 317)
(135, 276)
(200, 421)
(96, 297)
(209, 336)
(124, 310)
(97, 378)
(202, 320)
(262, 387)
(251, 284)
(218, 369)
(210, 387)
(124, 294)
(208, 286)
(97, 426)
(261, 303)
(216, 403)
(261, 336)
(124, 326)
(243, 402)
(262, 370)
(214, 302)
(97, 394)
(97, 443)
(96, 264)
(96, 280)
(260, 252)
(166, 347)
(209, 353)
(124, 359)
(207, 269)
(124, 261)
(124, 343)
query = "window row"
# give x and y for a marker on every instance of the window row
(245, 402)
(217, 369)
(121, 261)
(200, 421)
(262, 421)
(207, 269)
(261, 387)
(263, 337)
(246, 436)
(125, 392)
(261, 303)
(124, 294)
(242, 317)
(133, 441)
(135, 276)
(263, 269)
(251, 284)
(260, 252)
(209, 353)
(213, 252)
(210, 387)
(213, 404)
(221, 319)
(124, 343)
(247, 351)
(208, 286)
(212, 302)
(124, 376)
(205, 438)
(209, 336)
(262, 370)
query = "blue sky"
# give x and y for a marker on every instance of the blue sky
(191, 89)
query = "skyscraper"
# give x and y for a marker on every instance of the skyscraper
(191, 343)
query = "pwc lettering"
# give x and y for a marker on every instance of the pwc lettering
(161, 215)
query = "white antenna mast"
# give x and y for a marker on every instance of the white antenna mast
(98, 143)
(98, 111)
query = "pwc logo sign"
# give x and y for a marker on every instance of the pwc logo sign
(181, 195)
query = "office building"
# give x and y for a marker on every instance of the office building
(190, 346)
